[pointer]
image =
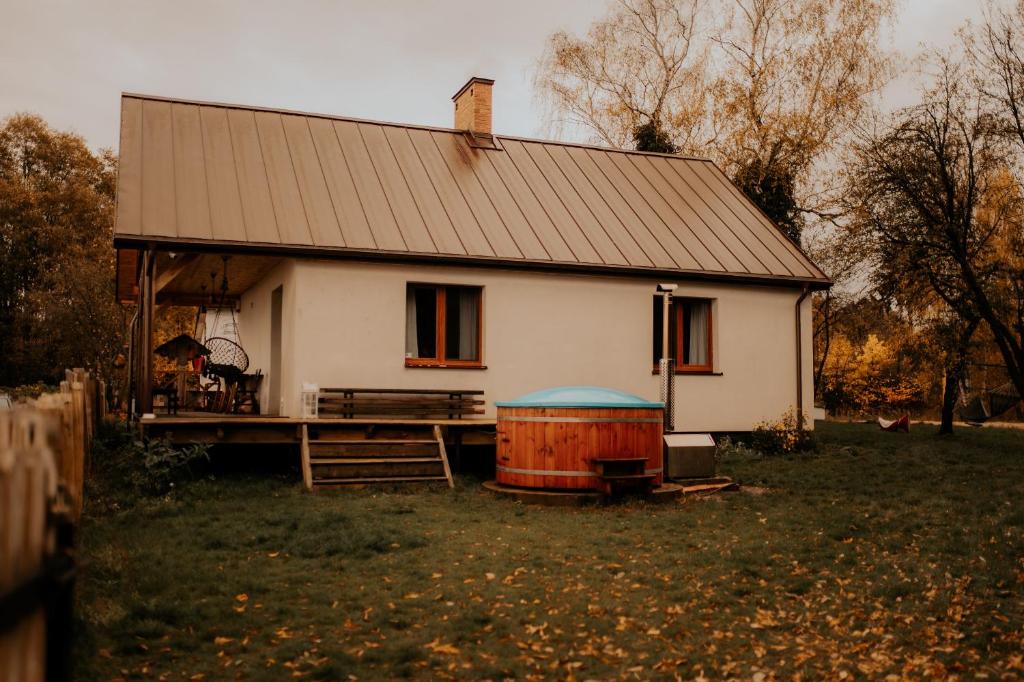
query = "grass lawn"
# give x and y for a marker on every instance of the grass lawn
(878, 554)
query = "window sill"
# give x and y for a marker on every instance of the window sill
(427, 364)
(692, 372)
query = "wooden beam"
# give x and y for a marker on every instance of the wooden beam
(147, 301)
(127, 273)
(307, 469)
(444, 455)
(176, 267)
(196, 300)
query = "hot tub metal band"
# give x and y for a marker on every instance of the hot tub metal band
(547, 472)
(586, 420)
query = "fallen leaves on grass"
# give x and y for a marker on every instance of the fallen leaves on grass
(438, 647)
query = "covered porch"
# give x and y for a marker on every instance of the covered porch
(207, 369)
(349, 435)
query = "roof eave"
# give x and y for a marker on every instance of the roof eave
(124, 241)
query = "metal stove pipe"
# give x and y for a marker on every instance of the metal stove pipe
(666, 366)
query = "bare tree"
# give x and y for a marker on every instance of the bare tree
(997, 55)
(934, 194)
(766, 88)
(646, 61)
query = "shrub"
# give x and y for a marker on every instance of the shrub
(782, 436)
(728, 449)
(126, 467)
(163, 464)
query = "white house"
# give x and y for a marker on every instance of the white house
(370, 254)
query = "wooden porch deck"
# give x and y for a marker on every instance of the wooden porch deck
(214, 429)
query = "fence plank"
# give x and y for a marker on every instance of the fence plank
(43, 446)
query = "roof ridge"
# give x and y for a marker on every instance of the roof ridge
(395, 124)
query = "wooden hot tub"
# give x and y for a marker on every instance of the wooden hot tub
(551, 438)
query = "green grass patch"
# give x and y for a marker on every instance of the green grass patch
(876, 554)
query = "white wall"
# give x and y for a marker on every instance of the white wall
(344, 325)
(254, 330)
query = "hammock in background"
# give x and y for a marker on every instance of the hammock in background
(895, 425)
(985, 405)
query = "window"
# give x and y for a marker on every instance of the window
(442, 326)
(690, 335)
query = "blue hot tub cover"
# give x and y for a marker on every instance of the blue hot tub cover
(580, 396)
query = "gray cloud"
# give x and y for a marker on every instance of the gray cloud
(397, 60)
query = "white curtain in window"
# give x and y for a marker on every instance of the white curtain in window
(469, 309)
(412, 346)
(699, 333)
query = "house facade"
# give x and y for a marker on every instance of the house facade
(366, 254)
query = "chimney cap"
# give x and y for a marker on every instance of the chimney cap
(471, 81)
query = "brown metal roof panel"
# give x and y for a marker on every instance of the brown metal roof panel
(750, 261)
(563, 221)
(468, 231)
(253, 184)
(129, 168)
(614, 195)
(733, 216)
(714, 173)
(158, 206)
(292, 222)
(643, 206)
(734, 209)
(371, 194)
(312, 187)
(435, 216)
(456, 154)
(742, 208)
(595, 232)
(700, 235)
(226, 220)
(355, 231)
(534, 214)
(599, 207)
(396, 189)
(505, 205)
(191, 198)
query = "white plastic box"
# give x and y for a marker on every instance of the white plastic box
(310, 400)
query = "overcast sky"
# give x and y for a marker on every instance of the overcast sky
(392, 60)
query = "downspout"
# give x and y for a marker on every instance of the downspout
(800, 360)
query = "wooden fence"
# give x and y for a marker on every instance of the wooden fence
(44, 447)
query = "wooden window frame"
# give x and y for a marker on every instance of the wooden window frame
(439, 362)
(679, 323)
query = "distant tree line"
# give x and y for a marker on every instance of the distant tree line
(57, 305)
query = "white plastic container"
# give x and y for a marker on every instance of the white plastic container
(310, 400)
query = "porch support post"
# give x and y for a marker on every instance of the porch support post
(147, 301)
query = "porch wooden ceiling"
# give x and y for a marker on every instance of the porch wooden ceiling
(285, 183)
(193, 278)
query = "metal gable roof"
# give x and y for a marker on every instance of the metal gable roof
(215, 174)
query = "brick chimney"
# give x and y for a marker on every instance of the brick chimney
(473, 106)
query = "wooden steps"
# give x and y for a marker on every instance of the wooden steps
(620, 475)
(334, 455)
(385, 479)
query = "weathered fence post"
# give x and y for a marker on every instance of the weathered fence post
(28, 490)
(43, 449)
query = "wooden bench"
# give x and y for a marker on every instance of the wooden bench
(398, 403)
